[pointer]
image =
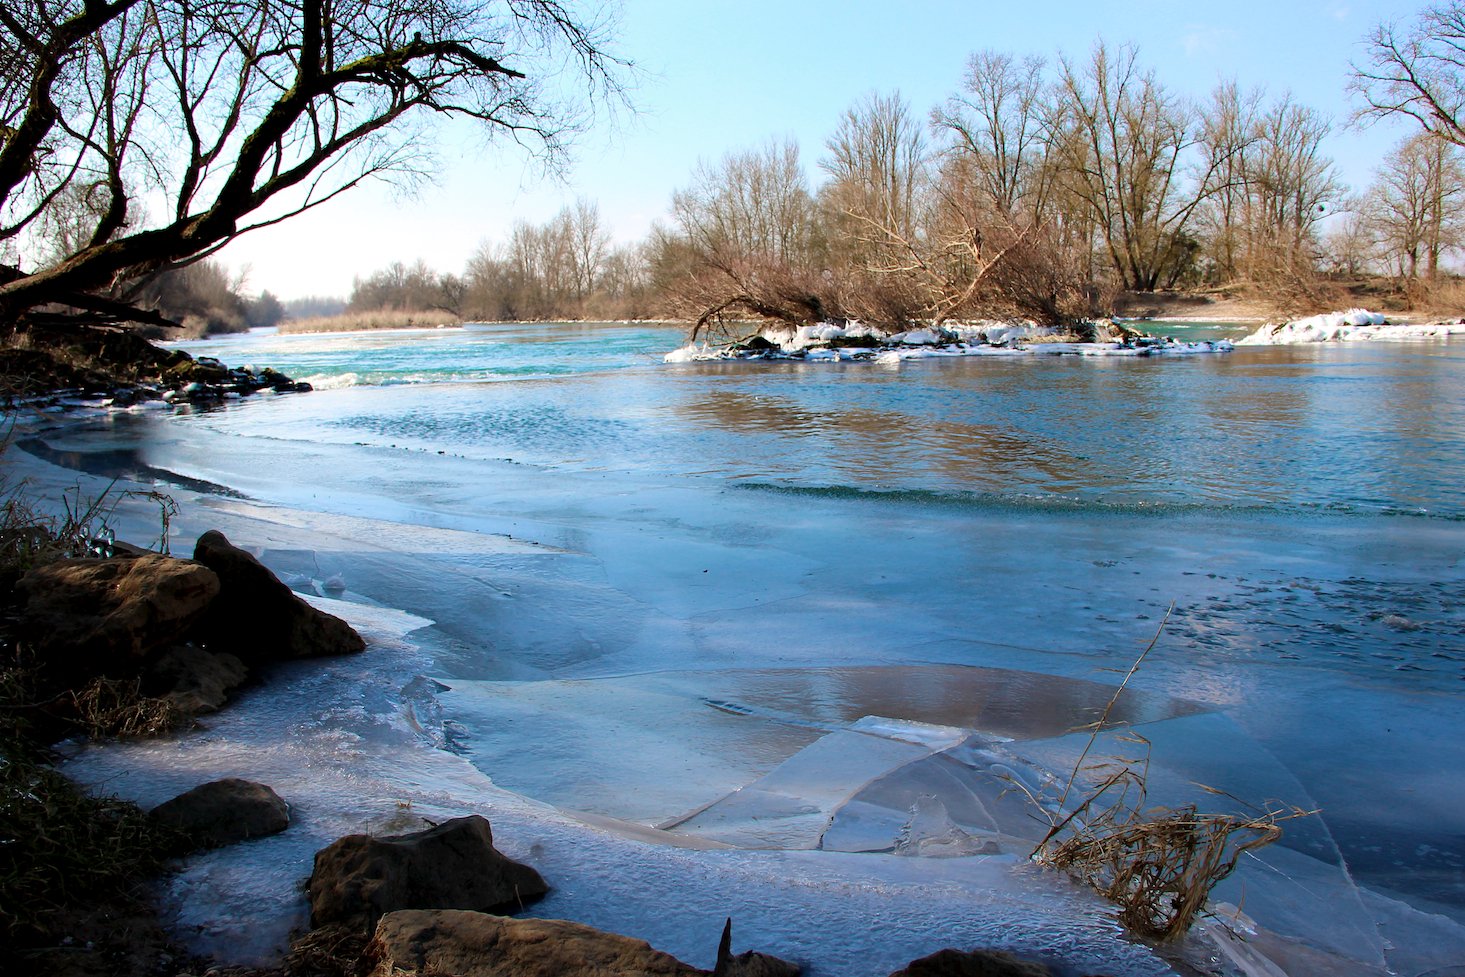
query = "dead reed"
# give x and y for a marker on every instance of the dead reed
(1157, 864)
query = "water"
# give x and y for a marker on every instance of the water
(844, 588)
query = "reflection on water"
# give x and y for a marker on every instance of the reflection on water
(1362, 426)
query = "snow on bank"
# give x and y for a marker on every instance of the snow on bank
(1355, 325)
(827, 342)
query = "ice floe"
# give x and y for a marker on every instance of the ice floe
(1354, 325)
(830, 342)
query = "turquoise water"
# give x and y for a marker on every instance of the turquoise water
(652, 585)
(1363, 429)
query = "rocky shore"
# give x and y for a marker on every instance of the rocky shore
(117, 367)
(139, 643)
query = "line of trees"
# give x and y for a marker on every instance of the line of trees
(1040, 189)
(137, 137)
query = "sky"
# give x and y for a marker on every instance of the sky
(715, 76)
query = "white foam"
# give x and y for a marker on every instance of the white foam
(333, 381)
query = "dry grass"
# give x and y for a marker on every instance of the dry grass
(60, 848)
(1157, 864)
(330, 951)
(116, 707)
(378, 319)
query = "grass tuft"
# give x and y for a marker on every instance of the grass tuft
(1157, 864)
(60, 848)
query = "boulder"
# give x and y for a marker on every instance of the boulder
(454, 943)
(973, 963)
(224, 811)
(195, 681)
(454, 865)
(258, 618)
(108, 614)
(749, 963)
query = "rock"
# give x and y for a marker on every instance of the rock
(195, 681)
(257, 618)
(750, 963)
(225, 811)
(109, 613)
(454, 943)
(973, 963)
(452, 866)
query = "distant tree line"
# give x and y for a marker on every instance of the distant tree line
(1040, 189)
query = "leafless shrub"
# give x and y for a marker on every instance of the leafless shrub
(1157, 864)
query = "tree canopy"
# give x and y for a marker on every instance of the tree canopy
(138, 135)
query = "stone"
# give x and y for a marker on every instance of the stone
(454, 865)
(110, 613)
(973, 963)
(224, 812)
(455, 943)
(749, 963)
(257, 618)
(195, 681)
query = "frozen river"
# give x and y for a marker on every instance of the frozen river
(764, 640)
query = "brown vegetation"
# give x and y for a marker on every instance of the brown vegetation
(1157, 864)
(1051, 191)
(375, 319)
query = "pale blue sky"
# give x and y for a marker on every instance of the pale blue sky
(719, 76)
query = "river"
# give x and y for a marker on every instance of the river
(788, 620)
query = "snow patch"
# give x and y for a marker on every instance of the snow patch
(1354, 325)
(981, 338)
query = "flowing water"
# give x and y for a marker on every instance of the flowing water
(798, 621)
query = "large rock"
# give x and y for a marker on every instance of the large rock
(193, 680)
(224, 812)
(454, 865)
(258, 618)
(454, 943)
(973, 963)
(109, 614)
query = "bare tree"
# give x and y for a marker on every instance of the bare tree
(1290, 186)
(589, 245)
(879, 172)
(1417, 71)
(1350, 246)
(237, 115)
(1122, 146)
(997, 128)
(1230, 130)
(746, 241)
(1416, 206)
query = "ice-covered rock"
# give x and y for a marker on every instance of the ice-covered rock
(1354, 325)
(918, 337)
(930, 833)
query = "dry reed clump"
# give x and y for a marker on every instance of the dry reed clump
(378, 319)
(335, 950)
(117, 707)
(1157, 864)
